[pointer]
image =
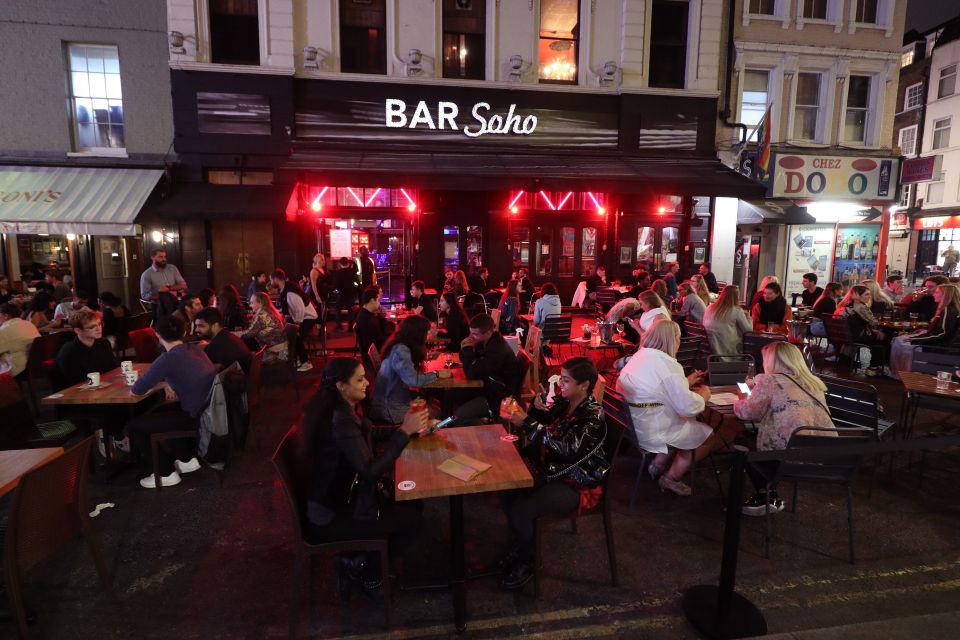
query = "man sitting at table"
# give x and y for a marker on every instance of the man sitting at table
(189, 375)
(811, 292)
(16, 336)
(486, 356)
(421, 302)
(709, 278)
(65, 311)
(597, 280)
(371, 325)
(88, 352)
(223, 348)
(478, 281)
(642, 283)
(187, 310)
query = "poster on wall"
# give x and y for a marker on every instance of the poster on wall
(810, 251)
(340, 244)
(856, 252)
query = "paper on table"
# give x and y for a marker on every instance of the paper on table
(463, 467)
(723, 399)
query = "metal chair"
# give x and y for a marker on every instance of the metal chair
(616, 411)
(753, 344)
(689, 353)
(20, 431)
(42, 366)
(697, 330)
(838, 334)
(375, 361)
(556, 333)
(49, 508)
(294, 478)
(729, 369)
(855, 405)
(605, 299)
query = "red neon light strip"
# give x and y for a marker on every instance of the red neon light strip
(317, 199)
(548, 200)
(594, 199)
(356, 197)
(564, 201)
(409, 199)
(514, 201)
(372, 197)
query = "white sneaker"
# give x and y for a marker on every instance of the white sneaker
(165, 481)
(306, 366)
(189, 466)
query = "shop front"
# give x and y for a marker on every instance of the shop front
(937, 237)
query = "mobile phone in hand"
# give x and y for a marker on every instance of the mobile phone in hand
(744, 389)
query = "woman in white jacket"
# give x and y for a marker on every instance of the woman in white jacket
(726, 322)
(664, 404)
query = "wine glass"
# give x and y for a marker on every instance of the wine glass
(621, 329)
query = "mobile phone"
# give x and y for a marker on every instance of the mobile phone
(440, 425)
(744, 389)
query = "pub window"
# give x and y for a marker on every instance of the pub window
(451, 248)
(234, 32)
(645, 244)
(96, 101)
(568, 247)
(815, 9)
(762, 7)
(474, 246)
(520, 247)
(559, 41)
(464, 38)
(948, 81)
(858, 109)
(588, 250)
(668, 44)
(544, 254)
(363, 36)
(866, 11)
(753, 97)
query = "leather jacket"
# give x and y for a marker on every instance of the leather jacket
(570, 446)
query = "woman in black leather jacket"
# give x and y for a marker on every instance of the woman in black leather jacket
(345, 499)
(943, 328)
(566, 456)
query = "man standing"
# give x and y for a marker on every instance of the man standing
(368, 269)
(709, 278)
(525, 289)
(670, 277)
(89, 352)
(223, 348)
(371, 325)
(189, 375)
(346, 280)
(811, 292)
(422, 303)
(16, 336)
(161, 283)
(487, 356)
(950, 258)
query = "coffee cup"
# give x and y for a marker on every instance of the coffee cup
(130, 377)
(93, 379)
(126, 366)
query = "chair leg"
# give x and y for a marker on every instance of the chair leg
(537, 556)
(295, 595)
(793, 502)
(11, 581)
(636, 483)
(573, 525)
(155, 456)
(766, 525)
(93, 544)
(850, 520)
(611, 549)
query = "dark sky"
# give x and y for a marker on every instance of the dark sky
(924, 14)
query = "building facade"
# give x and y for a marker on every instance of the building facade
(87, 132)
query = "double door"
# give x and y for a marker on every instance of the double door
(563, 253)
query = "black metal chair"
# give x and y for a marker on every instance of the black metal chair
(688, 355)
(605, 299)
(838, 334)
(556, 333)
(729, 369)
(616, 411)
(753, 344)
(855, 405)
(697, 330)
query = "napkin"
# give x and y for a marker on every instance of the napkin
(723, 399)
(463, 467)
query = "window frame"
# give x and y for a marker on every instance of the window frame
(819, 128)
(449, 28)
(941, 77)
(383, 68)
(911, 53)
(877, 9)
(942, 183)
(77, 148)
(905, 192)
(935, 129)
(768, 73)
(913, 151)
(906, 97)
(576, 48)
(773, 10)
(867, 110)
(688, 53)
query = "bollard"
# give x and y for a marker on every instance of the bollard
(719, 611)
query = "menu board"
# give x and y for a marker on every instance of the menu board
(856, 252)
(340, 244)
(809, 251)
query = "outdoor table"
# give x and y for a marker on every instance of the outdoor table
(905, 326)
(14, 464)
(921, 384)
(459, 378)
(418, 463)
(113, 390)
(617, 343)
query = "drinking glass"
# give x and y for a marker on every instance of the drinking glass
(943, 380)
(751, 371)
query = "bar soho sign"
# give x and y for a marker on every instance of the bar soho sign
(833, 177)
(395, 117)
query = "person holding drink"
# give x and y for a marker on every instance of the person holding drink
(772, 312)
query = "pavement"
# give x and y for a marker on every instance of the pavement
(201, 560)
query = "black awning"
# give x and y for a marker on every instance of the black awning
(489, 171)
(772, 211)
(187, 200)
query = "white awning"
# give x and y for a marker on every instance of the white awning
(73, 199)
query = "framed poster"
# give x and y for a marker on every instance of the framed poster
(626, 253)
(699, 255)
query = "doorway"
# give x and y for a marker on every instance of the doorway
(240, 249)
(563, 254)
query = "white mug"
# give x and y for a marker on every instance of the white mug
(93, 379)
(126, 366)
(130, 377)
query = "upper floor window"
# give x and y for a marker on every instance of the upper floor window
(941, 133)
(905, 191)
(906, 58)
(913, 96)
(464, 38)
(908, 141)
(762, 7)
(363, 36)
(948, 81)
(858, 109)
(866, 11)
(234, 32)
(96, 101)
(754, 96)
(559, 40)
(668, 44)
(815, 9)
(807, 111)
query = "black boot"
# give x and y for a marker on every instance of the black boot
(349, 568)
(519, 574)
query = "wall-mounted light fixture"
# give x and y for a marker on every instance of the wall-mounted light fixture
(313, 57)
(176, 43)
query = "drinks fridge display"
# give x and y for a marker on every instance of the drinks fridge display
(855, 253)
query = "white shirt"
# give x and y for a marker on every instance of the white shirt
(299, 311)
(649, 316)
(16, 336)
(65, 309)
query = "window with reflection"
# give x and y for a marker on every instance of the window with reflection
(568, 248)
(559, 40)
(668, 244)
(474, 246)
(520, 247)
(544, 266)
(363, 36)
(451, 248)
(464, 38)
(645, 244)
(588, 250)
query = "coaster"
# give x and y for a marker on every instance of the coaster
(406, 485)
(509, 438)
(55, 395)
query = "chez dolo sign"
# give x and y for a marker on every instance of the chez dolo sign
(834, 177)
(445, 118)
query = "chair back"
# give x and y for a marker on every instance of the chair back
(146, 344)
(729, 369)
(616, 409)
(753, 344)
(49, 508)
(495, 314)
(374, 354)
(526, 364)
(809, 358)
(293, 477)
(696, 330)
(599, 389)
(838, 330)
(932, 360)
(689, 353)
(532, 347)
(14, 411)
(829, 469)
(139, 321)
(533, 339)
(605, 298)
(853, 405)
(254, 380)
(42, 355)
(556, 329)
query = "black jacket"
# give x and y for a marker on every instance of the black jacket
(429, 306)
(942, 331)
(711, 281)
(496, 364)
(371, 329)
(565, 440)
(346, 279)
(478, 284)
(925, 307)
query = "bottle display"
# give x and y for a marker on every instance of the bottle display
(856, 253)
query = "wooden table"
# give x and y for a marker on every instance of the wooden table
(618, 343)
(459, 378)
(418, 463)
(905, 326)
(116, 391)
(921, 384)
(17, 462)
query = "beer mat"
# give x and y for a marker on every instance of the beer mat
(87, 387)
(406, 485)
(723, 399)
(55, 395)
(463, 467)
(509, 438)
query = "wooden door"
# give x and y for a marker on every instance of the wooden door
(241, 248)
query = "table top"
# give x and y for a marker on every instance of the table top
(926, 384)
(903, 325)
(16, 462)
(526, 316)
(587, 343)
(459, 379)
(113, 390)
(420, 459)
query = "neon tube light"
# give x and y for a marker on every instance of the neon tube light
(548, 200)
(355, 196)
(315, 205)
(409, 199)
(565, 198)
(599, 206)
(372, 197)
(515, 198)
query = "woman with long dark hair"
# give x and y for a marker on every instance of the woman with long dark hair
(345, 499)
(40, 310)
(509, 308)
(772, 312)
(864, 326)
(228, 302)
(401, 369)
(457, 325)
